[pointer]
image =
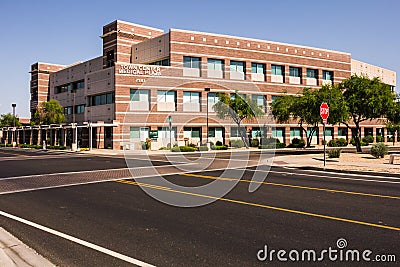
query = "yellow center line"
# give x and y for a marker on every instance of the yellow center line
(12, 154)
(262, 206)
(292, 186)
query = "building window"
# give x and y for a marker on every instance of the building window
(215, 132)
(67, 110)
(191, 62)
(140, 99)
(260, 100)
(237, 70)
(80, 109)
(191, 97)
(212, 100)
(327, 75)
(166, 96)
(258, 68)
(295, 132)
(294, 72)
(102, 99)
(164, 62)
(191, 132)
(237, 66)
(63, 88)
(236, 133)
(311, 73)
(191, 66)
(277, 70)
(215, 64)
(78, 85)
(278, 132)
(166, 100)
(342, 132)
(191, 101)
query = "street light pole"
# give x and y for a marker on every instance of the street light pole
(15, 135)
(170, 130)
(207, 90)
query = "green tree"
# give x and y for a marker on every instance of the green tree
(366, 99)
(7, 120)
(50, 112)
(393, 121)
(238, 109)
(304, 108)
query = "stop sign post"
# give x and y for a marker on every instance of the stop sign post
(324, 113)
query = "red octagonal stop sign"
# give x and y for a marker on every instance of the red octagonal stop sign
(324, 111)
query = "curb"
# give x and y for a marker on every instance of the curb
(15, 253)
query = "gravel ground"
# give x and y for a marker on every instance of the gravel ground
(364, 162)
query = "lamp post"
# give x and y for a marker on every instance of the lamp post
(15, 134)
(207, 90)
(170, 130)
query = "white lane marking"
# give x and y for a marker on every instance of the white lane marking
(77, 240)
(348, 174)
(333, 177)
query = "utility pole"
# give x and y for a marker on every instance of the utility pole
(15, 134)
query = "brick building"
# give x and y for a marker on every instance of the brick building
(146, 76)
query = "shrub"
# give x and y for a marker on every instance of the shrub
(379, 150)
(341, 142)
(163, 148)
(183, 149)
(254, 143)
(353, 142)
(333, 143)
(271, 143)
(203, 148)
(215, 147)
(236, 143)
(334, 153)
(219, 143)
(379, 139)
(297, 143)
(192, 145)
(368, 139)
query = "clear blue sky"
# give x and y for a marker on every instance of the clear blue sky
(65, 32)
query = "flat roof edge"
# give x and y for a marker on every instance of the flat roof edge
(258, 40)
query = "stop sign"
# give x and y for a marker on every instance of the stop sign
(324, 111)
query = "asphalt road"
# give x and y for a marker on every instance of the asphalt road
(292, 210)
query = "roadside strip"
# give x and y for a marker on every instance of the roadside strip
(76, 240)
(261, 205)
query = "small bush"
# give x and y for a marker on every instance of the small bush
(219, 143)
(192, 145)
(203, 148)
(163, 148)
(341, 142)
(236, 143)
(332, 143)
(379, 150)
(368, 139)
(215, 147)
(297, 143)
(334, 153)
(254, 143)
(353, 142)
(183, 149)
(379, 139)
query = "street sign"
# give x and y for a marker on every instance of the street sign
(153, 134)
(324, 111)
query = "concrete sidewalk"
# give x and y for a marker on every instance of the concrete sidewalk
(14, 253)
